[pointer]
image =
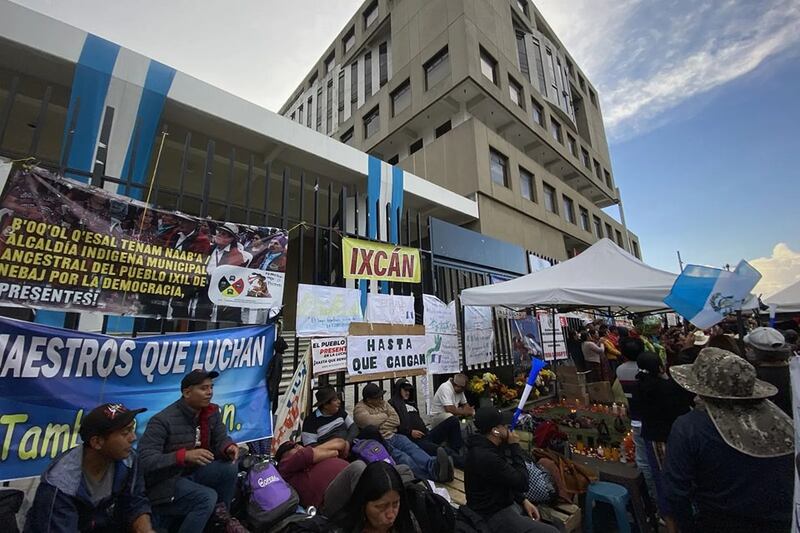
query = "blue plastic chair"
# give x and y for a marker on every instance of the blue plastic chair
(612, 494)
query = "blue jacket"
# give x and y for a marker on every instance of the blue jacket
(62, 503)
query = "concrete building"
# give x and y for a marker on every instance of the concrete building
(481, 98)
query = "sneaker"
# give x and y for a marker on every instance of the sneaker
(444, 466)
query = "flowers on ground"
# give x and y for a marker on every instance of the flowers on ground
(490, 386)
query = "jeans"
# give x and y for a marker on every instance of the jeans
(405, 452)
(641, 462)
(448, 431)
(511, 520)
(197, 494)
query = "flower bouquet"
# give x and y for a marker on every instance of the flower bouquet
(489, 386)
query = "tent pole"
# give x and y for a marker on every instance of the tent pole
(555, 359)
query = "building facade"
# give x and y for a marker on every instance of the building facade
(481, 98)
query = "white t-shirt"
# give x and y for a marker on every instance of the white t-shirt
(445, 395)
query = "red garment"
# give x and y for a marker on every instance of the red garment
(308, 479)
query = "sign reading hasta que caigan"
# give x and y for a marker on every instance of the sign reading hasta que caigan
(67, 245)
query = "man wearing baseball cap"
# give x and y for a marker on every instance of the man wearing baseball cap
(496, 478)
(188, 459)
(97, 486)
(729, 464)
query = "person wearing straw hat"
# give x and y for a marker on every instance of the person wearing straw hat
(768, 349)
(731, 458)
(329, 420)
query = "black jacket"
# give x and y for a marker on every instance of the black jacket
(407, 411)
(660, 402)
(494, 476)
(169, 434)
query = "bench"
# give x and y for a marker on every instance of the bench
(565, 517)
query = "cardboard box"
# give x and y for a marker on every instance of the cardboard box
(600, 392)
(569, 375)
(573, 392)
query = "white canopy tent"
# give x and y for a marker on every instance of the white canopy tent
(604, 276)
(786, 300)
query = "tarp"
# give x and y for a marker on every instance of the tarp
(603, 276)
(786, 300)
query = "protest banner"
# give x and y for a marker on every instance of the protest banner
(552, 350)
(439, 317)
(51, 377)
(386, 350)
(478, 335)
(68, 246)
(293, 405)
(443, 354)
(329, 355)
(371, 260)
(390, 309)
(526, 342)
(326, 311)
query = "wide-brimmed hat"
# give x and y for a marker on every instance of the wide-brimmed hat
(700, 338)
(736, 401)
(229, 227)
(324, 395)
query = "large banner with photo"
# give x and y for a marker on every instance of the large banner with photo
(68, 246)
(52, 377)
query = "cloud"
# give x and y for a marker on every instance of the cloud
(778, 271)
(648, 58)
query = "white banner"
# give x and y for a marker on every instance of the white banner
(537, 263)
(371, 354)
(390, 309)
(794, 367)
(478, 335)
(443, 354)
(329, 355)
(439, 317)
(559, 348)
(326, 311)
(292, 406)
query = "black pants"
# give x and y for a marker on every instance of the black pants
(511, 520)
(448, 431)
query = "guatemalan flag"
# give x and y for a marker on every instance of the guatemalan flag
(705, 295)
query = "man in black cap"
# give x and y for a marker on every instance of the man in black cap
(188, 459)
(97, 486)
(496, 478)
(329, 420)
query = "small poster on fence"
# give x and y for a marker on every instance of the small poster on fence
(329, 355)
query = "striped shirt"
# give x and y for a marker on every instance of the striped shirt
(319, 427)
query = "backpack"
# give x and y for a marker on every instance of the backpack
(370, 451)
(432, 512)
(468, 521)
(302, 523)
(271, 498)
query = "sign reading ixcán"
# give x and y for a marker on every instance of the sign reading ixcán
(370, 260)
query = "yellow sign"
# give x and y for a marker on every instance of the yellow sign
(370, 260)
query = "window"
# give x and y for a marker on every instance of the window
(436, 68)
(293, 116)
(555, 131)
(515, 90)
(340, 96)
(488, 66)
(537, 112)
(587, 161)
(329, 108)
(619, 239)
(300, 114)
(549, 198)
(569, 209)
(415, 146)
(585, 219)
(522, 56)
(523, 6)
(394, 160)
(383, 65)
(370, 14)
(635, 246)
(309, 107)
(607, 174)
(570, 68)
(598, 227)
(609, 234)
(372, 122)
(349, 40)
(582, 83)
(319, 109)
(330, 62)
(593, 97)
(537, 56)
(499, 167)
(347, 137)
(354, 83)
(573, 145)
(401, 98)
(313, 80)
(367, 75)
(526, 184)
(444, 128)
(598, 170)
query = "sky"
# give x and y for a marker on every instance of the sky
(700, 101)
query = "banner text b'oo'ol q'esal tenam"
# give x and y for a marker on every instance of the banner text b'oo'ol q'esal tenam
(69, 246)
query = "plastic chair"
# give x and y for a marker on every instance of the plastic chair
(612, 494)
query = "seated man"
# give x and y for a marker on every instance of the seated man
(311, 469)
(188, 459)
(97, 486)
(450, 400)
(495, 476)
(372, 410)
(329, 420)
(412, 426)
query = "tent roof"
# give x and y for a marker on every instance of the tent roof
(603, 276)
(786, 300)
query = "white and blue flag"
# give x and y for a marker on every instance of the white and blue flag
(705, 295)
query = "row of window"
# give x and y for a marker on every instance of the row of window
(500, 175)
